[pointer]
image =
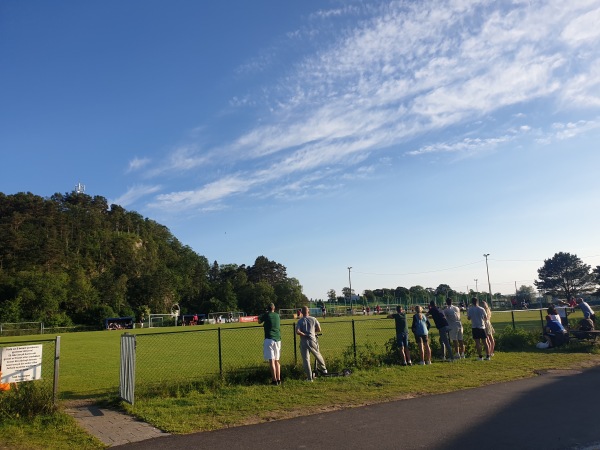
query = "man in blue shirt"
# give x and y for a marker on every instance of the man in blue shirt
(585, 308)
(555, 333)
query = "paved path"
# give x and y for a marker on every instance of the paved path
(110, 426)
(527, 414)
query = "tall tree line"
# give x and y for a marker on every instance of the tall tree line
(73, 259)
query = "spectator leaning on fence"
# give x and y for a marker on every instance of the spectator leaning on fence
(272, 343)
(401, 334)
(476, 314)
(420, 328)
(452, 314)
(443, 327)
(307, 328)
(585, 308)
(489, 329)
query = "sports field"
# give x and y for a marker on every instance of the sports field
(89, 361)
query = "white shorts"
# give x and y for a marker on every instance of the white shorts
(456, 333)
(272, 349)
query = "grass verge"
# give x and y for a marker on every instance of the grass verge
(224, 405)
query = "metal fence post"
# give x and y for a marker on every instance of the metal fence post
(354, 340)
(542, 320)
(56, 366)
(295, 344)
(512, 313)
(220, 354)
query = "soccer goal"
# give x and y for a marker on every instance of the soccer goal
(162, 320)
(21, 328)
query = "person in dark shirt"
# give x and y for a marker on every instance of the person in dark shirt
(444, 329)
(402, 334)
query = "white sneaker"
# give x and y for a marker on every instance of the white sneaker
(421, 363)
(479, 358)
(324, 371)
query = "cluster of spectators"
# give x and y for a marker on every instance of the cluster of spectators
(556, 328)
(447, 321)
(307, 328)
(450, 328)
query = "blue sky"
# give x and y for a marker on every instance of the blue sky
(402, 139)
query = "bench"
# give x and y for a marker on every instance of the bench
(589, 336)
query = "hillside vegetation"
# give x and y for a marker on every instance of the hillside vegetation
(73, 259)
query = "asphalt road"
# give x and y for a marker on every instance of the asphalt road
(556, 410)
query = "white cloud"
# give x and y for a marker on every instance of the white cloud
(134, 193)
(137, 164)
(407, 70)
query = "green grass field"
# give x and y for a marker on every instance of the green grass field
(89, 361)
(89, 368)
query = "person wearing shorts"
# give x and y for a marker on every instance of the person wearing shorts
(420, 328)
(476, 314)
(452, 314)
(272, 343)
(401, 334)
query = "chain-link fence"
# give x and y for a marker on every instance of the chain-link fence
(36, 360)
(194, 355)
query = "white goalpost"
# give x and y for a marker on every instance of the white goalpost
(162, 320)
(225, 316)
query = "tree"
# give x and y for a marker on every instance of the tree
(596, 273)
(525, 294)
(565, 274)
(331, 296)
(419, 294)
(402, 294)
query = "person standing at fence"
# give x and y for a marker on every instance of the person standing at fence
(443, 328)
(476, 314)
(401, 334)
(585, 308)
(489, 329)
(420, 328)
(307, 328)
(272, 343)
(452, 314)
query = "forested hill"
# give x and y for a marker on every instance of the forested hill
(72, 259)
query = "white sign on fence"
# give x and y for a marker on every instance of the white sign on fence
(22, 363)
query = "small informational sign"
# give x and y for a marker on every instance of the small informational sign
(22, 363)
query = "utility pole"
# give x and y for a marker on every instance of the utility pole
(488, 277)
(350, 287)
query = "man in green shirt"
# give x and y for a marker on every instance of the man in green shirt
(272, 343)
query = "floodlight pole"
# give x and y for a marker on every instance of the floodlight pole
(350, 288)
(476, 288)
(488, 277)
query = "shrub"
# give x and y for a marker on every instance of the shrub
(26, 399)
(516, 339)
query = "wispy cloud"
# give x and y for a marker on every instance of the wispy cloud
(402, 72)
(135, 193)
(137, 164)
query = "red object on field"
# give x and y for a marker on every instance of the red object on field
(249, 319)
